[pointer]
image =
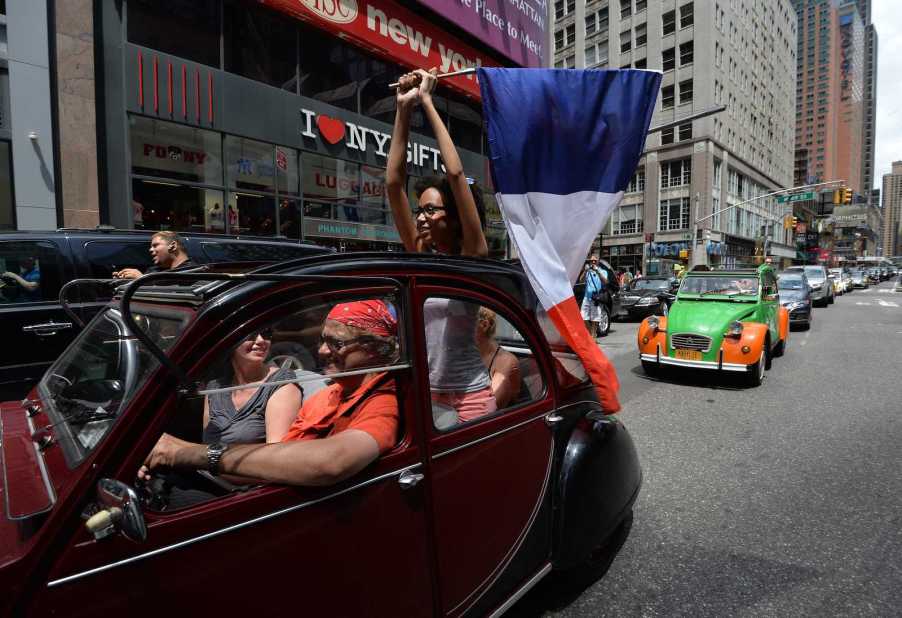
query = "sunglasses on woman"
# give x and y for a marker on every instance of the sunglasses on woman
(266, 333)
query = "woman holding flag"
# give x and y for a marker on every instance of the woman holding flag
(448, 219)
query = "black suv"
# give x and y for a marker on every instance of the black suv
(34, 327)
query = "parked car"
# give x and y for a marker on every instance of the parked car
(722, 321)
(34, 326)
(821, 286)
(648, 296)
(795, 296)
(611, 302)
(545, 484)
(859, 279)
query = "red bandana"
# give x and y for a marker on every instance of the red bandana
(372, 316)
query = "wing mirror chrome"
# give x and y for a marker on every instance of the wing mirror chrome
(120, 511)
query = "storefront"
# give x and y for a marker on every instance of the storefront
(261, 118)
(624, 257)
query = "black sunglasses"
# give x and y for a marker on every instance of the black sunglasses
(266, 333)
(429, 209)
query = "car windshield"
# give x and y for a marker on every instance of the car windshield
(790, 283)
(90, 385)
(722, 285)
(649, 284)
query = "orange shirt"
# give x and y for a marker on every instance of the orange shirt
(372, 408)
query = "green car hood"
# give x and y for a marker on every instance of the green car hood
(706, 317)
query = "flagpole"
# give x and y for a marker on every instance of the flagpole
(451, 74)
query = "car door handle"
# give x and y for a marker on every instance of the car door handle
(49, 328)
(553, 419)
(409, 479)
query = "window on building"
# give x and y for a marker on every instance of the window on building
(686, 91)
(668, 59)
(625, 41)
(667, 97)
(602, 19)
(627, 219)
(571, 35)
(673, 214)
(667, 136)
(640, 5)
(637, 182)
(686, 53)
(668, 22)
(641, 35)
(558, 39)
(676, 173)
(591, 23)
(625, 8)
(260, 45)
(185, 29)
(641, 63)
(685, 131)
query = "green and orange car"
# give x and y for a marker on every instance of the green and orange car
(722, 321)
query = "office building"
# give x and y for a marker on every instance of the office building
(892, 211)
(712, 52)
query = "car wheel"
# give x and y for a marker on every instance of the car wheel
(604, 321)
(756, 376)
(599, 561)
(651, 369)
(780, 350)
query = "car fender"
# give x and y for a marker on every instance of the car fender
(598, 484)
(754, 335)
(648, 339)
(783, 323)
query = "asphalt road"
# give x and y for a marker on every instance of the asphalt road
(782, 500)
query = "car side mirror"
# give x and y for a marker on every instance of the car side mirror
(120, 510)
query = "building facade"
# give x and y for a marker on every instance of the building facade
(692, 198)
(892, 211)
(836, 93)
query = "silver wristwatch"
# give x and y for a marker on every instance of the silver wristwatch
(214, 454)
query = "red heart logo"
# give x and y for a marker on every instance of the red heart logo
(332, 129)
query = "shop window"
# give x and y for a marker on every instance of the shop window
(250, 213)
(169, 150)
(7, 204)
(184, 28)
(260, 45)
(250, 164)
(337, 189)
(331, 70)
(162, 205)
(289, 218)
(465, 123)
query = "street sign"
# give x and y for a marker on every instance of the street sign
(798, 197)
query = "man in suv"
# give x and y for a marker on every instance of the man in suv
(821, 286)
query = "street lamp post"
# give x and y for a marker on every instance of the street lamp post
(698, 219)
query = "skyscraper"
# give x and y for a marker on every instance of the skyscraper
(712, 52)
(892, 211)
(835, 93)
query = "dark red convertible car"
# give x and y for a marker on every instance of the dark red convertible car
(459, 518)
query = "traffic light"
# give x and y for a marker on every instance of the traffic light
(846, 195)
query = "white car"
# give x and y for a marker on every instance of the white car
(844, 277)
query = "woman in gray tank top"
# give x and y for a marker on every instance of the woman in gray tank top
(449, 219)
(250, 415)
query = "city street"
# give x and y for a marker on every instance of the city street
(782, 500)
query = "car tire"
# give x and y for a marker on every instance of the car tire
(780, 350)
(604, 324)
(652, 370)
(582, 576)
(756, 376)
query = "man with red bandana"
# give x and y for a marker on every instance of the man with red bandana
(339, 430)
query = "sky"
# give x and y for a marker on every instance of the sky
(887, 18)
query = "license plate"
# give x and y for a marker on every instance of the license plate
(691, 355)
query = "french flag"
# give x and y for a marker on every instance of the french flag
(564, 145)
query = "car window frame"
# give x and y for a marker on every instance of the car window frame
(61, 260)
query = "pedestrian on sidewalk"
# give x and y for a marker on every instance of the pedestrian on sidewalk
(593, 298)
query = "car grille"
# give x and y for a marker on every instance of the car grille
(690, 341)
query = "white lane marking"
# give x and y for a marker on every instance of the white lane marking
(886, 303)
(805, 339)
(864, 304)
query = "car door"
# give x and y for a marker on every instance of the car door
(489, 471)
(770, 305)
(33, 326)
(353, 549)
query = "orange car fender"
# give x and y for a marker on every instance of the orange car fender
(753, 337)
(783, 322)
(654, 338)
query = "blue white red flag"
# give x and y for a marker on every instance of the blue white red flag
(564, 145)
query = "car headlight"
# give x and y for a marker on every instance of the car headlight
(815, 286)
(734, 329)
(653, 323)
(799, 304)
(647, 300)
